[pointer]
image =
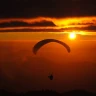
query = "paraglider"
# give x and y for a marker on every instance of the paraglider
(45, 41)
(50, 77)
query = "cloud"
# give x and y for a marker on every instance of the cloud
(21, 26)
(46, 24)
(46, 8)
(31, 30)
(25, 24)
(90, 28)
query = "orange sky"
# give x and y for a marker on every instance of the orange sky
(43, 35)
(23, 23)
(26, 71)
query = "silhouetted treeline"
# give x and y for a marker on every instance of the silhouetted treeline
(48, 93)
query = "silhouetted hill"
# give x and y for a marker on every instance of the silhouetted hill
(6, 93)
(78, 93)
(42, 93)
(48, 93)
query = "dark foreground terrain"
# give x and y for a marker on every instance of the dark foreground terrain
(48, 93)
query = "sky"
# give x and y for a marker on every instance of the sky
(50, 15)
(23, 23)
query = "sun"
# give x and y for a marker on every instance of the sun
(72, 35)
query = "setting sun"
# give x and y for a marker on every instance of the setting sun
(72, 35)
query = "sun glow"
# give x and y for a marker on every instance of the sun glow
(72, 35)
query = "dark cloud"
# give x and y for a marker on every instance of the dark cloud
(49, 8)
(88, 28)
(31, 30)
(14, 26)
(30, 27)
(25, 24)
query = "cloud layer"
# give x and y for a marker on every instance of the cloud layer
(25, 24)
(46, 24)
(53, 15)
(46, 8)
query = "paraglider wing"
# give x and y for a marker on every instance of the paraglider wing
(45, 41)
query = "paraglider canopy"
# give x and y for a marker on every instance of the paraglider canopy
(45, 41)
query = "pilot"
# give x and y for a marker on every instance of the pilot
(50, 77)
